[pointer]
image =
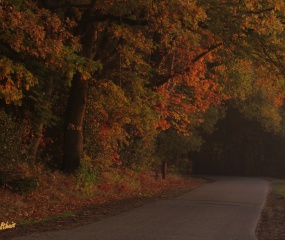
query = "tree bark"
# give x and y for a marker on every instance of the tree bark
(75, 111)
(73, 137)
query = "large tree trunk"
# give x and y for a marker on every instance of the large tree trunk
(73, 138)
(75, 112)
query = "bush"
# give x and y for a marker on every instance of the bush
(11, 147)
(139, 154)
(86, 175)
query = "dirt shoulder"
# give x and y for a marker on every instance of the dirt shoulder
(272, 221)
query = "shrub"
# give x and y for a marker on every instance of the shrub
(11, 147)
(86, 175)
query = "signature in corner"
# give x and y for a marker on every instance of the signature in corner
(6, 225)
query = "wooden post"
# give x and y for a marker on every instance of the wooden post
(164, 170)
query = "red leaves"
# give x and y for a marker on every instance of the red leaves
(58, 194)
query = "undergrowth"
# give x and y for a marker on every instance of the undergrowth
(58, 193)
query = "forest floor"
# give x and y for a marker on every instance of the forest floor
(49, 210)
(272, 222)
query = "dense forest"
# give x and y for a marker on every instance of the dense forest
(241, 146)
(90, 86)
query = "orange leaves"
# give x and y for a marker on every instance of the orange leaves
(36, 32)
(22, 27)
(189, 93)
(33, 42)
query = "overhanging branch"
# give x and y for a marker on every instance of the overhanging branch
(210, 49)
(122, 19)
(164, 79)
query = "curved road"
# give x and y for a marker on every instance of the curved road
(227, 209)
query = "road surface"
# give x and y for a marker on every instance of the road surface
(227, 209)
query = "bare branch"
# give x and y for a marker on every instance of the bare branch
(210, 49)
(160, 80)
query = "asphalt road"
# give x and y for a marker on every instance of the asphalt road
(227, 209)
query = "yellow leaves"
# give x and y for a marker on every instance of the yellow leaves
(134, 40)
(10, 93)
(265, 18)
(249, 5)
(13, 79)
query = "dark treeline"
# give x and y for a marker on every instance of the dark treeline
(241, 146)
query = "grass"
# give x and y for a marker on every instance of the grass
(278, 187)
(49, 218)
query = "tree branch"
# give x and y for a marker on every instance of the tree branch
(261, 11)
(164, 79)
(122, 19)
(210, 49)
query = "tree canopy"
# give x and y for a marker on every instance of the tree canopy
(118, 80)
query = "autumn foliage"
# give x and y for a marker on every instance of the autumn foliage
(106, 87)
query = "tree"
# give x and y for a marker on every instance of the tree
(76, 105)
(37, 49)
(120, 53)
